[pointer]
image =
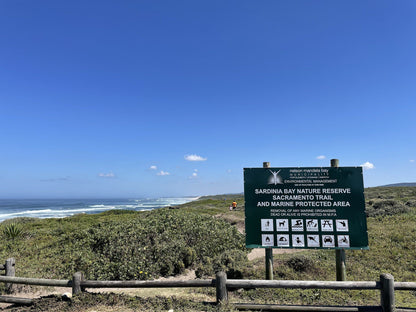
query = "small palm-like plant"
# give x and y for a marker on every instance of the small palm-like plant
(12, 230)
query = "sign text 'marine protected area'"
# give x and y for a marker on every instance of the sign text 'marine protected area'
(305, 208)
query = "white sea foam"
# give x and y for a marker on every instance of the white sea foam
(64, 208)
(23, 213)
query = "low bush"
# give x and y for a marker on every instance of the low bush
(233, 262)
(411, 203)
(300, 263)
(161, 243)
(385, 207)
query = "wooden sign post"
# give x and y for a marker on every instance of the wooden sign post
(339, 253)
(269, 250)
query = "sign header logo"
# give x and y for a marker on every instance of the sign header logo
(275, 178)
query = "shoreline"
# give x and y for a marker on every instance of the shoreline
(62, 208)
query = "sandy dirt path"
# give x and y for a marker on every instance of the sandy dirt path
(260, 252)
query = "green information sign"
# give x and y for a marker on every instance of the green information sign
(305, 208)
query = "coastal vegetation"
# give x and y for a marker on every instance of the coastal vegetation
(203, 237)
(122, 245)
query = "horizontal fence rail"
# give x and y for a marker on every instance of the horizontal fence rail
(302, 284)
(16, 300)
(36, 281)
(404, 286)
(268, 307)
(148, 284)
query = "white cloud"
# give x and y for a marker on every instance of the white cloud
(367, 165)
(412, 160)
(194, 174)
(107, 175)
(194, 157)
(153, 167)
(57, 179)
(163, 173)
(229, 171)
(320, 157)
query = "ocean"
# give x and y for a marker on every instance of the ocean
(60, 208)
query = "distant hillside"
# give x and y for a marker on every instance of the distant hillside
(400, 184)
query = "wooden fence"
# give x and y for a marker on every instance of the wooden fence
(9, 270)
(386, 285)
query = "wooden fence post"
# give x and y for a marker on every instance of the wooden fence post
(269, 250)
(387, 293)
(76, 283)
(10, 271)
(221, 285)
(341, 270)
(340, 264)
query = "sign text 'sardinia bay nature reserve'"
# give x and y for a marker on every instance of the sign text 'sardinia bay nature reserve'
(305, 208)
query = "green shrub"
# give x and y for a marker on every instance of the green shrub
(300, 263)
(411, 203)
(385, 207)
(233, 262)
(189, 256)
(162, 243)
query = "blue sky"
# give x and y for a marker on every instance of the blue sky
(170, 98)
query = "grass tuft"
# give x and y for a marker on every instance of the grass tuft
(12, 230)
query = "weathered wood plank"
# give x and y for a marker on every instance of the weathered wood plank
(36, 281)
(387, 293)
(147, 284)
(10, 271)
(301, 284)
(76, 283)
(221, 285)
(268, 251)
(404, 286)
(209, 283)
(272, 307)
(340, 266)
(16, 300)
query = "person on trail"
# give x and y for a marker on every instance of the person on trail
(234, 204)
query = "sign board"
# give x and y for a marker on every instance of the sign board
(305, 208)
